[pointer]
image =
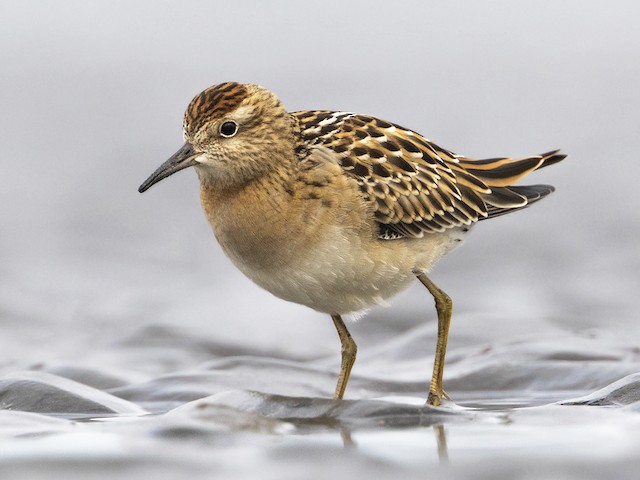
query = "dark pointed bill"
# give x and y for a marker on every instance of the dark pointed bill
(183, 158)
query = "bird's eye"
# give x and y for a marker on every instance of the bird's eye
(228, 129)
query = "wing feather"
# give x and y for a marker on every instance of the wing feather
(416, 186)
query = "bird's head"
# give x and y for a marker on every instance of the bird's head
(233, 134)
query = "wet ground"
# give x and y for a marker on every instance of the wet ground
(524, 408)
(131, 347)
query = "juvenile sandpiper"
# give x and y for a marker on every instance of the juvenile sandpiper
(335, 210)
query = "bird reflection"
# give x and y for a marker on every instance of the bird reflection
(425, 419)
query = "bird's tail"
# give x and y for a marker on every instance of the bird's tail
(499, 174)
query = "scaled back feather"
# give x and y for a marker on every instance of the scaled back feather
(416, 186)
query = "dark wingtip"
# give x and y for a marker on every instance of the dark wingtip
(532, 193)
(552, 157)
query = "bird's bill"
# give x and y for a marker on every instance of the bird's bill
(183, 158)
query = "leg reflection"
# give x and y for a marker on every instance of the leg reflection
(347, 440)
(441, 441)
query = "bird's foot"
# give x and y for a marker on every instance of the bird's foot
(435, 397)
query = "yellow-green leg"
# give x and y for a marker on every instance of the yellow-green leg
(444, 307)
(349, 350)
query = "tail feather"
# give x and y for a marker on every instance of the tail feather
(551, 158)
(503, 172)
(499, 175)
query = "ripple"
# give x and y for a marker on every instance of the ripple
(623, 392)
(49, 394)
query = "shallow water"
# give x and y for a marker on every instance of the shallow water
(526, 408)
(131, 347)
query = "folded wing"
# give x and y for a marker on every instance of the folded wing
(416, 186)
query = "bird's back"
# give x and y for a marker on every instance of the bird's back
(416, 186)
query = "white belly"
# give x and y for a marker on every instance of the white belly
(345, 274)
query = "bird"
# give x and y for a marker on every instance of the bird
(335, 210)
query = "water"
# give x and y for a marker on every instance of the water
(131, 347)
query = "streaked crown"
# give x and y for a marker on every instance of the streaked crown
(213, 103)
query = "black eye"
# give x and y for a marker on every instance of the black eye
(228, 129)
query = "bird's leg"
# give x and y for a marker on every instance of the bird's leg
(444, 306)
(349, 350)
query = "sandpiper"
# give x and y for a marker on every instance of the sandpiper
(335, 210)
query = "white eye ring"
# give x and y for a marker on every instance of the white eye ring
(228, 129)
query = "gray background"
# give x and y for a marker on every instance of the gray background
(91, 97)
